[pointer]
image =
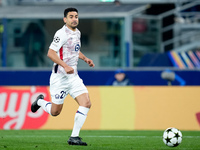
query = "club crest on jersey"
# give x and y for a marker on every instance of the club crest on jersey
(77, 47)
(56, 39)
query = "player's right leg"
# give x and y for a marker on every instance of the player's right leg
(58, 93)
(50, 108)
(40, 102)
(35, 106)
(56, 109)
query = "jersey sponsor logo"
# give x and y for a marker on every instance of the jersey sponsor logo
(77, 47)
(56, 39)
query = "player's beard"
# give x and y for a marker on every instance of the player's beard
(74, 25)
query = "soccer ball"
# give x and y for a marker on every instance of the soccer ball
(172, 137)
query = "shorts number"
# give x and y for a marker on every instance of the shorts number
(62, 94)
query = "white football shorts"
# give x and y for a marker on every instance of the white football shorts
(62, 85)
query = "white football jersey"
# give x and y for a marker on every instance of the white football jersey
(67, 45)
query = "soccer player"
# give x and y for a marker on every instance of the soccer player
(64, 51)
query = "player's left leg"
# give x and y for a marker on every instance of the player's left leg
(84, 106)
(79, 92)
(81, 114)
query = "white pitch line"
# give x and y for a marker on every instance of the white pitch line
(90, 136)
(139, 136)
(110, 136)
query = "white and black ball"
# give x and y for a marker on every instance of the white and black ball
(172, 137)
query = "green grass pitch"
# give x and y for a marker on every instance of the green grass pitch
(96, 139)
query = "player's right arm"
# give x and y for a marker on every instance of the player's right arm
(52, 54)
(57, 43)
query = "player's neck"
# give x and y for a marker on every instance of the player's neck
(73, 29)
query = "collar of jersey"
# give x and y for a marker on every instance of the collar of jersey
(69, 29)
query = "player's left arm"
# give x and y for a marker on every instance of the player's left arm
(87, 60)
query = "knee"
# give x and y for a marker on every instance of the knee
(88, 104)
(55, 113)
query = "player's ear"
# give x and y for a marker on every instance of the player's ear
(65, 19)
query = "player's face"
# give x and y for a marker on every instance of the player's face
(71, 20)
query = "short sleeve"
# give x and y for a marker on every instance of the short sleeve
(58, 41)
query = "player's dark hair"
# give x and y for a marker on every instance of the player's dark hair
(69, 10)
